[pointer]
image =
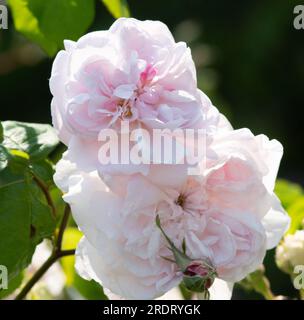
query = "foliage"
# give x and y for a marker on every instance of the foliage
(292, 198)
(118, 8)
(49, 23)
(25, 220)
(31, 204)
(25, 216)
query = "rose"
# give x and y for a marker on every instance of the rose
(236, 192)
(290, 252)
(119, 222)
(114, 251)
(227, 215)
(122, 253)
(134, 72)
(240, 179)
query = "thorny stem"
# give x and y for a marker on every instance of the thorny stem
(57, 253)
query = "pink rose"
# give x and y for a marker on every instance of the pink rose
(209, 211)
(119, 252)
(135, 71)
(227, 214)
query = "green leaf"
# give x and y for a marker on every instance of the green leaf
(287, 192)
(56, 154)
(90, 290)
(118, 8)
(187, 294)
(296, 213)
(50, 22)
(43, 169)
(42, 221)
(18, 161)
(56, 195)
(180, 258)
(25, 217)
(37, 140)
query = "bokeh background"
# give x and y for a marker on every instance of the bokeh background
(249, 59)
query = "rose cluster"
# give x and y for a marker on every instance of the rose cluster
(227, 214)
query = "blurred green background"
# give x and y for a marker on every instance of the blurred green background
(249, 59)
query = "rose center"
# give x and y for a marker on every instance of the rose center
(125, 109)
(127, 112)
(125, 105)
(180, 201)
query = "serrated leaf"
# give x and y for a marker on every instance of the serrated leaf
(50, 22)
(25, 219)
(36, 140)
(118, 8)
(90, 290)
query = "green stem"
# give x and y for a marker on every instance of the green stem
(62, 227)
(268, 295)
(41, 271)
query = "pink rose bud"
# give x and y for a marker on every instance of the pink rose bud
(201, 269)
(196, 268)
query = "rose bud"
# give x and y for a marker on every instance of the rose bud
(199, 275)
